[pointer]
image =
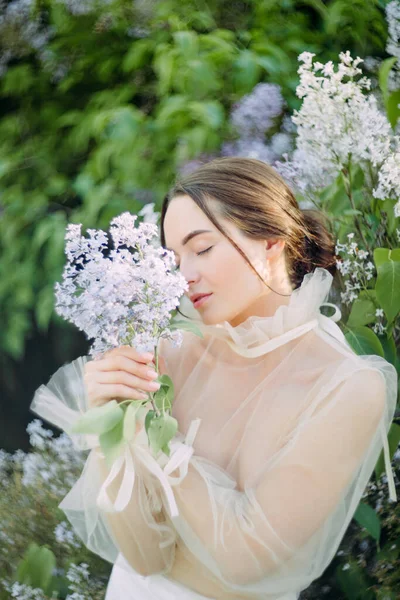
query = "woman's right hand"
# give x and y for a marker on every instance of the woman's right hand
(120, 374)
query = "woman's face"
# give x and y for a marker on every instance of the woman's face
(212, 265)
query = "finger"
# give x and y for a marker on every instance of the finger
(120, 392)
(130, 352)
(124, 378)
(119, 362)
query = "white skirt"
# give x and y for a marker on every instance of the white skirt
(126, 584)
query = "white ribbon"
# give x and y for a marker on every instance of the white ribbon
(160, 467)
(388, 466)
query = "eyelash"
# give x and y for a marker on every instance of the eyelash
(204, 251)
(199, 253)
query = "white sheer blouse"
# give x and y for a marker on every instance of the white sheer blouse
(280, 427)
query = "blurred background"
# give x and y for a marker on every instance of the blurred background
(103, 103)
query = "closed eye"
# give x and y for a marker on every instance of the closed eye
(204, 251)
(199, 253)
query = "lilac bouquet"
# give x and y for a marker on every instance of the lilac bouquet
(124, 296)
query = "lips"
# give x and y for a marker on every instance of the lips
(198, 299)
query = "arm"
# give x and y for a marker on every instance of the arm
(249, 535)
(139, 529)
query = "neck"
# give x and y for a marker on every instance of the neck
(267, 304)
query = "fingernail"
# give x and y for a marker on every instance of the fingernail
(154, 385)
(148, 356)
(152, 374)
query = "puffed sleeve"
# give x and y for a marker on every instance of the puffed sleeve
(282, 530)
(141, 531)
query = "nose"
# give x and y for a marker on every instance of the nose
(190, 274)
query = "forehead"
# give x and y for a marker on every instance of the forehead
(182, 216)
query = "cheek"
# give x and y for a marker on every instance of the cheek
(233, 273)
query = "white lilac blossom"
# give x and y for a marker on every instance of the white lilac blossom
(22, 591)
(393, 21)
(254, 114)
(357, 269)
(393, 42)
(65, 535)
(337, 122)
(126, 297)
(389, 180)
(148, 213)
(54, 461)
(82, 586)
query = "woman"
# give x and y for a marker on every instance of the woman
(292, 421)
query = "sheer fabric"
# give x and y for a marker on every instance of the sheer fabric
(280, 427)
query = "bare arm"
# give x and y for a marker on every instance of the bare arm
(136, 539)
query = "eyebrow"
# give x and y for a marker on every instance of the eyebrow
(193, 234)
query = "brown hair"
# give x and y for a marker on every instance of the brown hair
(254, 197)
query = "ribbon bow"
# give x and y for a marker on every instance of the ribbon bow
(161, 468)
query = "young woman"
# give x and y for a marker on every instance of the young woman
(292, 421)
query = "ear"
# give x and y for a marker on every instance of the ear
(274, 247)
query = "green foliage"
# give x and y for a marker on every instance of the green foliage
(36, 568)
(116, 110)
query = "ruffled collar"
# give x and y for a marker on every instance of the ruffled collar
(302, 313)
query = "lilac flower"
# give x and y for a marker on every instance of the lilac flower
(249, 149)
(336, 122)
(254, 114)
(389, 180)
(393, 20)
(125, 298)
(65, 535)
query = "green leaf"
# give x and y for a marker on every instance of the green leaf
(353, 582)
(246, 71)
(100, 419)
(384, 70)
(161, 431)
(388, 286)
(148, 419)
(367, 517)
(163, 398)
(112, 442)
(393, 440)
(36, 568)
(362, 312)
(392, 107)
(130, 417)
(163, 65)
(364, 341)
(187, 43)
(186, 326)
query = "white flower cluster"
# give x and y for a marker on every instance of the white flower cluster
(356, 267)
(22, 591)
(393, 42)
(389, 180)
(359, 269)
(336, 122)
(82, 586)
(393, 20)
(54, 462)
(125, 297)
(148, 214)
(65, 535)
